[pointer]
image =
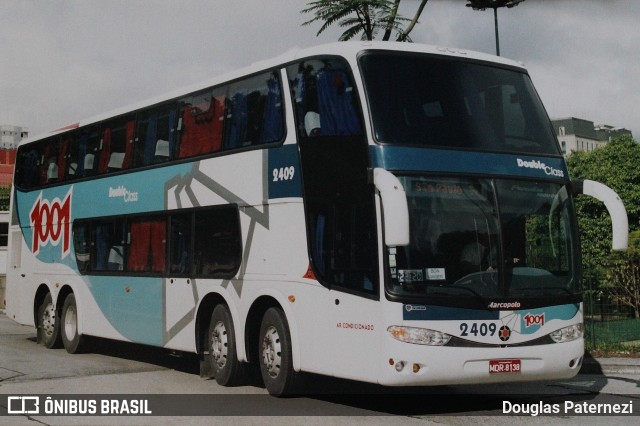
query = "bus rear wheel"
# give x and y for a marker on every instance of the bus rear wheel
(221, 343)
(72, 340)
(276, 362)
(48, 324)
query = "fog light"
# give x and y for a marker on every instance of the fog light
(399, 366)
(575, 362)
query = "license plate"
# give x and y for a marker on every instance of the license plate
(499, 366)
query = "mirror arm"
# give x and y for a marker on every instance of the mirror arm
(613, 203)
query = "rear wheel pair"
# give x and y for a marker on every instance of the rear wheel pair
(274, 350)
(54, 329)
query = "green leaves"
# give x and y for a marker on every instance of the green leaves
(364, 18)
(615, 165)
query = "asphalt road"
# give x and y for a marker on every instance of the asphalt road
(169, 386)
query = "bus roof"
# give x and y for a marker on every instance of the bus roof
(348, 49)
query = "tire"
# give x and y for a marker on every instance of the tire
(48, 324)
(276, 362)
(221, 345)
(72, 341)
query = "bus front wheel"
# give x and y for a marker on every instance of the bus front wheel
(48, 324)
(276, 363)
(71, 338)
(228, 371)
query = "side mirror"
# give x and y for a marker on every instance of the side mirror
(395, 210)
(613, 203)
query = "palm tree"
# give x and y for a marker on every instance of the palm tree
(364, 17)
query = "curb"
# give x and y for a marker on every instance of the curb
(610, 366)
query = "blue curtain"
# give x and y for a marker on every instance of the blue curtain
(338, 115)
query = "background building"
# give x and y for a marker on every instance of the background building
(576, 134)
(10, 137)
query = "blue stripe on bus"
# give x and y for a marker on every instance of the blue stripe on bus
(418, 159)
(446, 313)
(141, 192)
(132, 305)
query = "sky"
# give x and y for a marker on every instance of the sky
(66, 60)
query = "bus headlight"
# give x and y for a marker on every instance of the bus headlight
(567, 334)
(419, 336)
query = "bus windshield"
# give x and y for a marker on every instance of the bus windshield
(478, 240)
(449, 103)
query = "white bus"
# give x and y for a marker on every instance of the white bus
(390, 213)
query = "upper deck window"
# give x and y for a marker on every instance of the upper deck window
(437, 101)
(245, 114)
(324, 98)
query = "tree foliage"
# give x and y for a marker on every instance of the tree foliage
(622, 277)
(615, 165)
(366, 18)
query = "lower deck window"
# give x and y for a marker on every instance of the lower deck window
(201, 242)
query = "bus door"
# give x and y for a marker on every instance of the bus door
(343, 248)
(343, 245)
(180, 290)
(340, 217)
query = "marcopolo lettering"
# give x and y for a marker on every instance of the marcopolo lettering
(507, 305)
(539, 165)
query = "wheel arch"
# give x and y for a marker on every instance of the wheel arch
(253, 323)
(62, 296)
(63, 293)
(203, 316)
(41, 293)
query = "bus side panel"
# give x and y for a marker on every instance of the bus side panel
(274, 258)
(139, 308)
(216, 182)
(340, 333)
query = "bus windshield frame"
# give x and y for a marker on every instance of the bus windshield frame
(478, 241)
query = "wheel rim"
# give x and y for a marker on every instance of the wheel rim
(219, 347)
(49, 319)
(272, 352)
(70, 323)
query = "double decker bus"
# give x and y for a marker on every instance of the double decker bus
(389, 213)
